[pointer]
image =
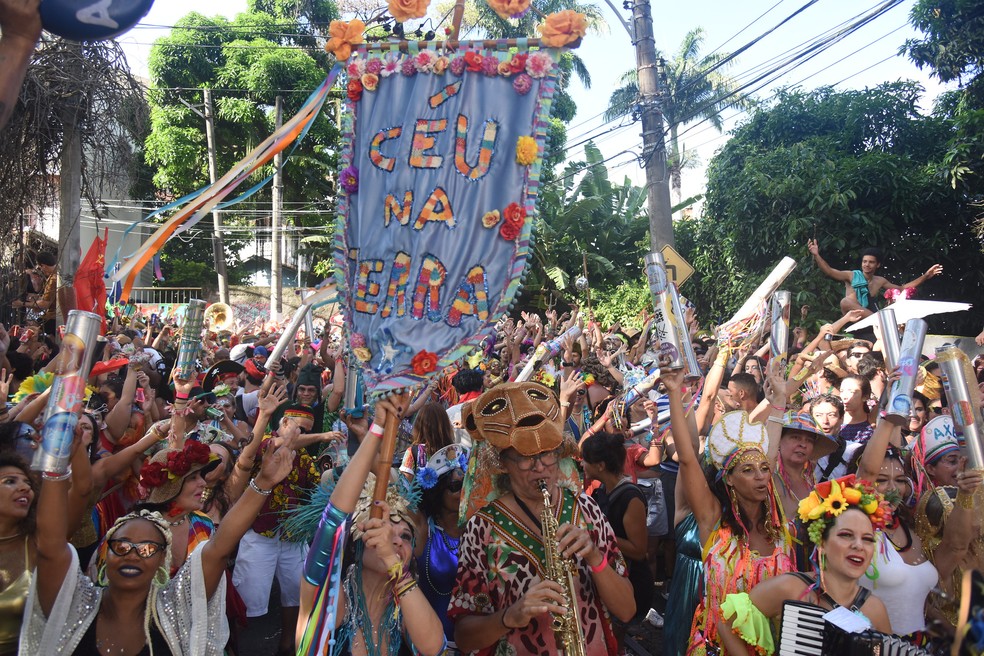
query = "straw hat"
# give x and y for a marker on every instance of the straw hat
(166, 472)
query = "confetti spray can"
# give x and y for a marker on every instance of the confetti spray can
(191, 339)
(686, 346)
(73, 363)
(308, 316)
(779, 336)
(546, 350)
(664, 321)
(964, 401)
(287, 336)
(890, 337)
(900, 401)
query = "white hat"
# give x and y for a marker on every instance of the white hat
(938, 438)
(733, 435)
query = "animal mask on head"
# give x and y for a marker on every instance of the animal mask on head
(524, 416)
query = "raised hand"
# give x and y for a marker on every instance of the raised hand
(811, 245)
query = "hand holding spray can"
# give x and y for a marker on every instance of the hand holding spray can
(664, 321)
(779, 335)
(73, 363)
(900, 401)
(191, 340)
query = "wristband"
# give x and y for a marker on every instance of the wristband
(180, 396)
(600, 566)
(54, 476)
(965, 501)
(376, 430)
(406, 590)
(256, 488)
(780, 408)
(565, 404)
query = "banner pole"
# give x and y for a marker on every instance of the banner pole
(459, 14)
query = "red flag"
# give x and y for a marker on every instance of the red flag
(90, 284)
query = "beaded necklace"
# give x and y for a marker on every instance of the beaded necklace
(452, 546)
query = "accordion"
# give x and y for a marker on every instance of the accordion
(804, 632)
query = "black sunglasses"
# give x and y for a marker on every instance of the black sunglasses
(144, 549)
(455, 486)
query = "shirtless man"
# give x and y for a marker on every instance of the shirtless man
(861, 286)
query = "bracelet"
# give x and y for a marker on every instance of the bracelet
(965, 501)
(256, 488)
(780, 408)
(179, 396)
(240, 465)
(657, 442)
(502, 618)
(376, 430)
(55, 477)
(600, 566)
(565, 404)
(406, 589)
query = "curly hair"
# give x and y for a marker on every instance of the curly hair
(12, 459)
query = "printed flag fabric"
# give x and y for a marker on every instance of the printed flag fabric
(438, 180)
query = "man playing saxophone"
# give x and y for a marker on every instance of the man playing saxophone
(507, 595)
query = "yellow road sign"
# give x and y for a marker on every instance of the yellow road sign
(678, 270)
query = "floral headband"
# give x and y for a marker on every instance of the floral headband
(447, 459)
(830, 498)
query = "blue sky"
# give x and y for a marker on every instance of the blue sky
(866, 58)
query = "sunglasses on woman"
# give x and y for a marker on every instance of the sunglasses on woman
(455, 486)
(144, 549)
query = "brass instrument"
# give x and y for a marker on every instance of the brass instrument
(219, 317)
(562, 571)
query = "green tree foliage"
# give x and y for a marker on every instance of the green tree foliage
(605, 220)
(853, 169)
(695, 88)
(269, 50)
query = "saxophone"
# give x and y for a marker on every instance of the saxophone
(562, 571)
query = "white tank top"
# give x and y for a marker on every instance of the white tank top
(903, 588)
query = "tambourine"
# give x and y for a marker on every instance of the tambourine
(92, 20)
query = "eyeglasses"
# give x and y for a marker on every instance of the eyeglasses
(455, 486)
(857, 354)
(144, 549)
(525, 463)
(936, 409)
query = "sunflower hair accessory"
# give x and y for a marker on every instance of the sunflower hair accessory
(453, 456)
(734, 436)
(831, 498)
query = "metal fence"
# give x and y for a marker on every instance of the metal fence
(164, 295)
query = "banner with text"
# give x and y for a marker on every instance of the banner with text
(439, 176)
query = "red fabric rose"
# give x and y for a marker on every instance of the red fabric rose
(509, 231)
(518, 63)
(473, 62)
(424, 362)
(354, 90)
(515, 214)
(153, 475)
(196, 452)
(177, 464)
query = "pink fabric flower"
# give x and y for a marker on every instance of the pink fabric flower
(407, 68)
(356, 67)
(538, 64)
(522, 84)
(374, 66)
(424, 61)
(458, 65)
(391, 66)
(490, 66)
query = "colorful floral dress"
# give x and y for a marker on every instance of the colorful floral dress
(731, 566)
(499, 560)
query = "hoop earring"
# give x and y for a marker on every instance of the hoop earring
(162, 576)
(101, 579)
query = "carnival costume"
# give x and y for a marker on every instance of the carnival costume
(730, 565)
(822, 507)
(500, 559)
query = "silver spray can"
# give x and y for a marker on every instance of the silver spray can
(890, 337)
(779, 335)
(191, 340)
(963, 400)
(900, 401)
(308, 316)
(73, 363)
(664, 322)
(686, 346)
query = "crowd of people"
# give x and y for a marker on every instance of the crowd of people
(521, 517)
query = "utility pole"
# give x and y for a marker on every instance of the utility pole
(276, 280)
(70, 196)
(653, 142)
(218, 248)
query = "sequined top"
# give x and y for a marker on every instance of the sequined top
(192, 623)
(12, 602)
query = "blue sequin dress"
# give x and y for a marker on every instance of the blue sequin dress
(685, 588)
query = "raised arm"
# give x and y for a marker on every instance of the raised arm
(829, 271)
(118, 419)
(961, 527)
(707, 509)
(931, 272)
(268, 403)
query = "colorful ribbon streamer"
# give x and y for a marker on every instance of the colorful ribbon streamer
(198, 204)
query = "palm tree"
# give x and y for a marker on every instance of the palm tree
(690, 94)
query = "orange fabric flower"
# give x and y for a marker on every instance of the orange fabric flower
(344, 35)
(510, 8)
(562, 28)
(403, 10)
(424, 362)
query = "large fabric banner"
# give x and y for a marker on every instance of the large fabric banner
(439, 175)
